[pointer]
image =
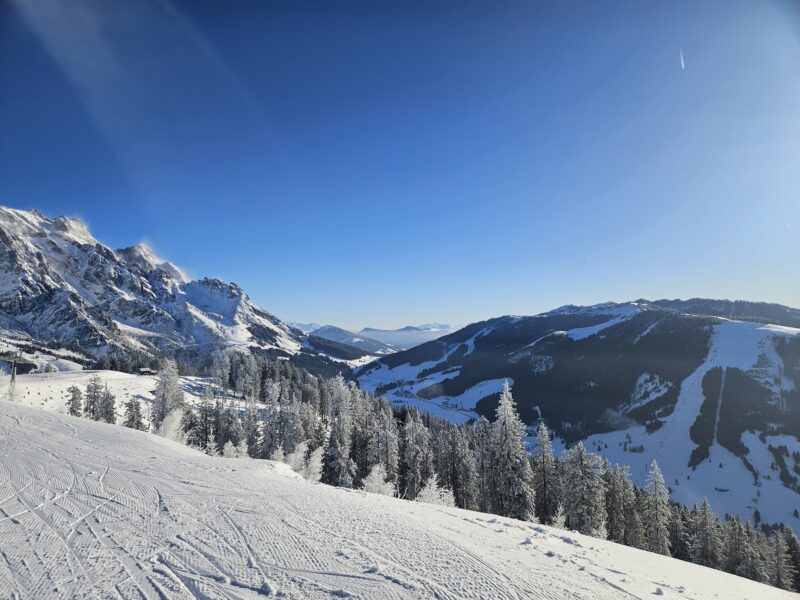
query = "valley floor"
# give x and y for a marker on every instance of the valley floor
(91, 510)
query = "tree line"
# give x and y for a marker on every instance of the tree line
(331, 431)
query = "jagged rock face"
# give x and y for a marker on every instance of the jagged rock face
(59, 283)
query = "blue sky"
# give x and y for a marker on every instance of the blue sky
(385, 163)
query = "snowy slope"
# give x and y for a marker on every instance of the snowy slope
(629, 380)
(97, 511)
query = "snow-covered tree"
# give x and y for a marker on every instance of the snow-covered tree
(546, 477)
(616, 479)
(482, 438)
(656, 511)
(94, 393)
(168, 395)
(75, 401)
(514, 493)
(706, 544)
(431, 493)
(463, 470)
(416, 465)
(376, 482)
(779, 567)
(313, 469)
(338, 468)
(107, 408)
(133, 415)
(584, 491)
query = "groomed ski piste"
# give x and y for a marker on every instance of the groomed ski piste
(92, 510)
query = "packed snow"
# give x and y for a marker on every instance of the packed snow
(93, 510)
(723, 477)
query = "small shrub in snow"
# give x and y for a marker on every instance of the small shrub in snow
(431, 493)
(375, 482)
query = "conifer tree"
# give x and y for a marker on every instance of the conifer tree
(706, 545)
(337, 467)
(107, 409)
(618, 488)
(75, 401)
(168, 395)
(514, 494)
(656, 512)
(94, 392)
(546, 477)
(463, 471)
(780, 569)
(133, 415)
(482, 437)
(416, 460)
(584, 491)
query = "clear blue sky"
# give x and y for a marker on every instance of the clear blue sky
(384, 163)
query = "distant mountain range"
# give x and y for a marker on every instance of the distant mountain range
(710, 388)
(60, 287)
(408, 336)
(348, 338)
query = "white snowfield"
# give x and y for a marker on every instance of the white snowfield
(90, 510)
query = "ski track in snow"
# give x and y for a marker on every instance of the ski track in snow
(90, 510)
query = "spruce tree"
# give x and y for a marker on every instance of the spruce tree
(656, 512)
(107, 409)
(780, 569)
(416, 464)
(168, 394)
(546, 477)
(584, 491)
(133, 415)
(706, 545)
(94, 392)
(75, 401)
(514, 494)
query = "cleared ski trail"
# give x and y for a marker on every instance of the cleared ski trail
(89, 510)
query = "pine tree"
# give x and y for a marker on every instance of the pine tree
(337, 467)
(463, 471)
(482, 437)
(133, 415)
(793, 548)
(107, 409)
(416, 465)
(75, 401)
(546, 477)
(94, 393)
(780, 569)
(678, 541)
(584, 491)
(515, 495)
(618, 488)
(706, 545)
(168, 395)
(655, 512)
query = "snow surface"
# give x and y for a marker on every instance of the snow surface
(92, 510)
(723, 477)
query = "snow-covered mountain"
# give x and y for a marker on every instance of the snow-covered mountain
(715, 400)
(59, 284)
(408, 336)
(97, 510)
(348, 338)
(304, 327)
